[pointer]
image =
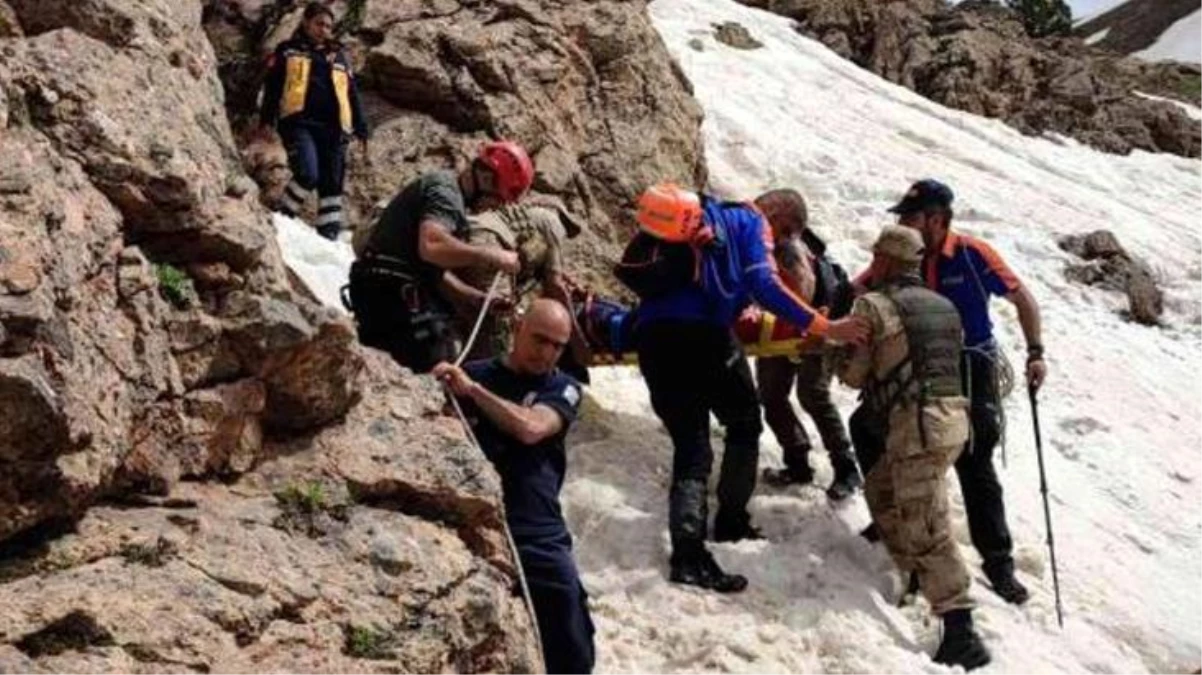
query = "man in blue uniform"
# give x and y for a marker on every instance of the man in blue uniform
(520, 408)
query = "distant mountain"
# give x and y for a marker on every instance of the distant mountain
(1151, 29)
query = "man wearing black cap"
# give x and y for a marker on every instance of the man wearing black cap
(968, 272)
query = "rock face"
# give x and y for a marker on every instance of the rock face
(150, 343)
(587, 87)
(1135, 24)
(341, 555)
(976, 57)
(1108, 265)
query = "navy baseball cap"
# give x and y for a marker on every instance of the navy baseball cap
(925, 194)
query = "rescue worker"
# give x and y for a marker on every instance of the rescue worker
(786, 212)
(402, 286)
(536, 232)
(312, 97)
(693, 365)
(910, 427)
(969, 272)
(520, 409)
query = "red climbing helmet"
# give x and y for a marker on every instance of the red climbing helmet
(511, 166)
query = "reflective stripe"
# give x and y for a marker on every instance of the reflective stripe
(330, 218)
(330, 201)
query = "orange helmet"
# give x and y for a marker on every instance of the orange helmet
(669, 212)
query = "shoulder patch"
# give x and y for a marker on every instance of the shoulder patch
(571, 394)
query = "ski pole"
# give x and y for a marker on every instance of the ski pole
(1047, 511)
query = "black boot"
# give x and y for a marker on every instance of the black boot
(961, 645)
(781, 478)
(736, 527)
(693, 565)
(329, 231)
(847, 479)
(1005, 584)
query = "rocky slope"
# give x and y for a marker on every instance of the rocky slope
(976, 57)
(586, 86)
(1135, 24)
(199, 469)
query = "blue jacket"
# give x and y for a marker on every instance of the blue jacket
(736, 269)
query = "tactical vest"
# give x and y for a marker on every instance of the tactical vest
(934, 338)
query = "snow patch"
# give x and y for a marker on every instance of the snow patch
(1192, 110)
(1097, 37)
(1181, 42)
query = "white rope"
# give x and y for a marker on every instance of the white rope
(513, 547)
(471, 340)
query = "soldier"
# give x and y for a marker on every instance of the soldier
(536, 233)
(910, 428)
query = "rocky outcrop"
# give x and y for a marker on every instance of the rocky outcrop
(975, 56)
(343, 554)
(1135, 24)
(588, 87)
(1109, 266)
(199, 468)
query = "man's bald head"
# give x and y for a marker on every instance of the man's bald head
(544, 331)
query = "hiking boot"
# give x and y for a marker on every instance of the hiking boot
(844, 486)
(698, 568)
(847, 477)
(735, 529)
(782, 478)
(329, 231)
(961, 646)
(1007, 586)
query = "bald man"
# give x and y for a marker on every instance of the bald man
(520, 407)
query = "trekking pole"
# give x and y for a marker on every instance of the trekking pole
(1047, 511)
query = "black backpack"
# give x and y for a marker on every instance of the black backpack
(832, 286)
(652, 267)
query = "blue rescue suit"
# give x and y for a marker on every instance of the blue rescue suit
(694, 366)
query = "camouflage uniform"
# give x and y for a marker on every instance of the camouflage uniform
(536, 233)
(913, 439)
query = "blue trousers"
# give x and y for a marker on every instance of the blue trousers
(317, 158)
(560, 603)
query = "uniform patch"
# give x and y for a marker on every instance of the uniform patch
(571, 394)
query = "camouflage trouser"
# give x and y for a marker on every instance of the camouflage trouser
(907, 494)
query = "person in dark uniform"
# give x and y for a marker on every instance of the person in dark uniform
(311, 97)
(403, 289)
(520, 408)
(693, 365)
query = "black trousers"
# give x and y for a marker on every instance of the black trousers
(398, 314)
(560, 604)
(776, 376)
(693, 369)
(978, 479)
